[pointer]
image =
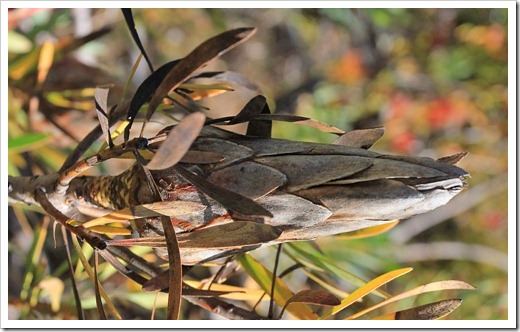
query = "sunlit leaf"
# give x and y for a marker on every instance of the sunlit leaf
(166, 208)
(110, 230)
(431, 287)
(282, 292)
(435, 310)
(90, 273)
(101, 99)
(367, 232)
(175, 268)
(361, 138)
(365, 290)
(323, 263)
(45, 60)
(178, 142)
(53, 287)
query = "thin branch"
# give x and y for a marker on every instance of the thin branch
(79, 231)
(224, 309)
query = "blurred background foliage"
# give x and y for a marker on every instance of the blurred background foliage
(436, 79)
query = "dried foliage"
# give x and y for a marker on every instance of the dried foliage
(199, 194)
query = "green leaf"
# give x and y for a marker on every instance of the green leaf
(27, 142)
(282, 292)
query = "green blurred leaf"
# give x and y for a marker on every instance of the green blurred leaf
(27, 142)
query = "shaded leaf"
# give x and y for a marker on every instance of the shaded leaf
(368, 288)
(144, 91)
(201, 157)
(252, 109)
(361, 138)
(129, 18)
(200, 56)
(161, 208)
(231, 200)
(435, 310)
(178, 142)
(245, 233)
(231, 77)
(90, 273)
(431, 287)
(318, 297)
(99, 303)
(304, 171)
(261, 128)
(282, 292)
(243, 179)
(175, 270)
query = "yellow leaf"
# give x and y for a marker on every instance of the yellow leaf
(431, 287)
(282, 293)
(166, 208)
(239, 293)
(53, 287)
(367, 232)
(366, 289)
(110, 230)
(45, 60)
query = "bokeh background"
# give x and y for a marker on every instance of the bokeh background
(436, 79)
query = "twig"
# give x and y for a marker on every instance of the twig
(271, 301)
(223, 309)
(79, 230)
(69, 174)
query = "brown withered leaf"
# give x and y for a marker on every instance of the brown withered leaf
(178, 142)
(200, 56)
(245, 233)
(453, 159)
(388, 169)
(232, 152)
(361, 138)
(161, 208)
(304, 171)
(201, 157)
(244, 178)
(318, 297)
(428, 311)
(251, 110)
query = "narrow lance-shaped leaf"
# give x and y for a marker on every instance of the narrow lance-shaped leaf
(200, 56)
(101, 100)
(366, 289)
(361, 138)
(144, 91)
(175, 267)
(99, 303)
(253, 108)
(231, 200)
(282, 292)
(431, 287)
(301, 120)
(318, 297)
(430, 311)
(178, 142)
(129, 18)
